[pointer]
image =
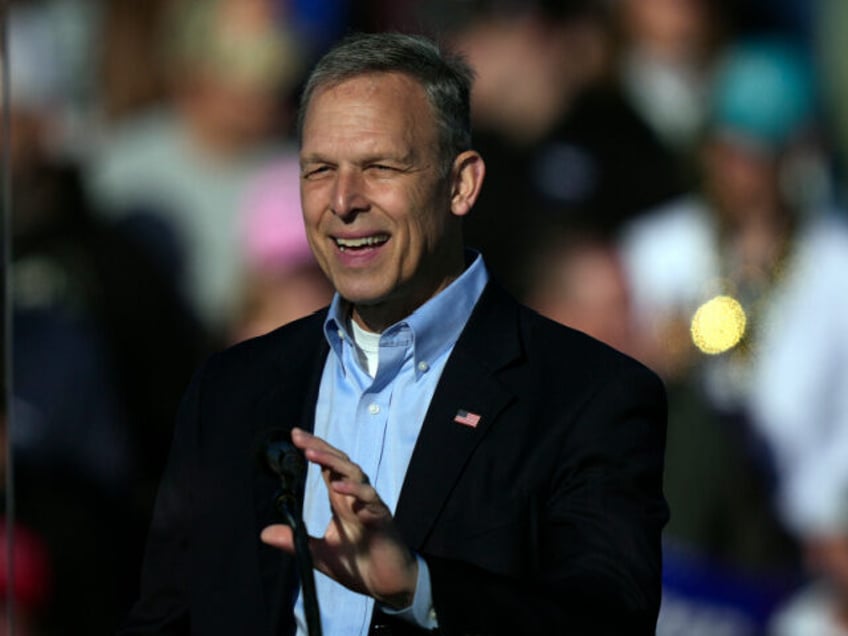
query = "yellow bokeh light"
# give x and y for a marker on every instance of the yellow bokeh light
(718, 325)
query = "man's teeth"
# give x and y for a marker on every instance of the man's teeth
(365, 241)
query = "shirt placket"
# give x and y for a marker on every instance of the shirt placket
(374, 409)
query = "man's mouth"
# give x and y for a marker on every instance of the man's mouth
(362, 242)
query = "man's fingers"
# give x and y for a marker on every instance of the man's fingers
(279, 536)
(329, 458)
(339, 467)
(342, 476)
(362, 491)
(309, 442)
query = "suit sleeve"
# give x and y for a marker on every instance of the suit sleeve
(598, 529)
(162, 607)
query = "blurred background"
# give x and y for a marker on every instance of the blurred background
(666, 175)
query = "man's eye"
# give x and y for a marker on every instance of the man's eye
(314, 172)
(380, 167)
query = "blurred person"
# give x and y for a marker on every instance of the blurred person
(519, 484)
(187, 165)
(561, 141)
(68, 433)
(722, 547)
(533, 61)
(283, 281)
(579, 281)
(764, 185)
(668, 53)
(52, 47)
(129, 32)
(745, 277)
(100, 343)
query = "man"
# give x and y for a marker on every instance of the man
(474, 467)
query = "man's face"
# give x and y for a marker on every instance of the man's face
(376, 208)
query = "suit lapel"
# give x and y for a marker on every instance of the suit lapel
(469, 382)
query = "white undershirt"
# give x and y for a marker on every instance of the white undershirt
(367, 347)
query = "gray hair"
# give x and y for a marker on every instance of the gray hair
(446, 79)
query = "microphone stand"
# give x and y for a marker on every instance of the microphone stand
(287, 462)
(287, 506)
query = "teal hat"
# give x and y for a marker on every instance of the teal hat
(764, 93)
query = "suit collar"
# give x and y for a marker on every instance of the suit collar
(433, 327)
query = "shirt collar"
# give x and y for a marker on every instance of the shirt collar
(435, 326)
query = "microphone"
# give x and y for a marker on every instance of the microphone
(287, 462)
(283, 457)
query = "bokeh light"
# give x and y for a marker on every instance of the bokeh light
(718, 325)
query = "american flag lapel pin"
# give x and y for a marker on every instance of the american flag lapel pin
(467, 418)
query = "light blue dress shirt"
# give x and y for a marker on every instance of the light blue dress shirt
(376, 421)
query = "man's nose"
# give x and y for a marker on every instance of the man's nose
(348, 193)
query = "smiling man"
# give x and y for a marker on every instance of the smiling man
(473, 467)
(382, 200)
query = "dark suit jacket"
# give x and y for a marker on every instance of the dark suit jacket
(545, 518)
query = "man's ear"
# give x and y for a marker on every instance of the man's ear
(467, 176)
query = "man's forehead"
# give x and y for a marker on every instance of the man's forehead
(399, 104)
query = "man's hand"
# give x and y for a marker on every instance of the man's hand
(361, 547)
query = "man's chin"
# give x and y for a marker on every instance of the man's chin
(362, 299)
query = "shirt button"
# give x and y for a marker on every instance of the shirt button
(423, 366)
(374, 408)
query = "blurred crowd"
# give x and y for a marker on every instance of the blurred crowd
(666, 175)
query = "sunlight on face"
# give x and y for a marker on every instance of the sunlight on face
(376, 209)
